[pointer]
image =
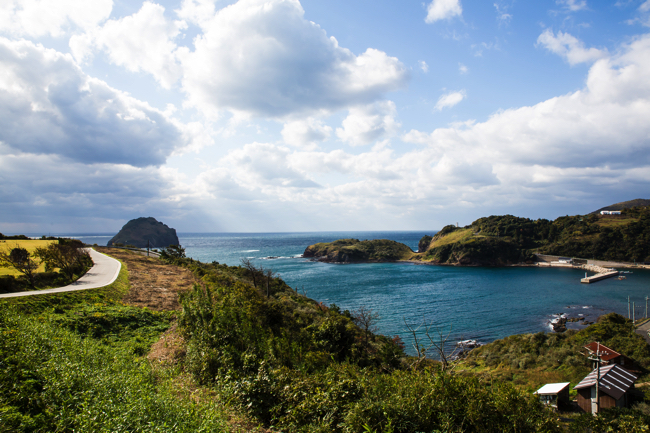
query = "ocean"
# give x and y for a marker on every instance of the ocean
(481, 303)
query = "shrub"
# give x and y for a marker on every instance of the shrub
(54, 380)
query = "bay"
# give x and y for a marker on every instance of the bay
(481, 303)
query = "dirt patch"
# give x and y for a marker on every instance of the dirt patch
(154, 284)
(170, 349)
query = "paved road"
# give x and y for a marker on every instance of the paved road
(643, 331)
(104, 271)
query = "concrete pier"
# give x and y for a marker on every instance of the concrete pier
(599, 277)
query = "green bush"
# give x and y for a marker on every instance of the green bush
(52, 379)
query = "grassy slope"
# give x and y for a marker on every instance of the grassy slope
(77, 361)
(531, 360)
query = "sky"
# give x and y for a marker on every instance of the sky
(282, 115)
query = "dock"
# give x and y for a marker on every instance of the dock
(598, 277)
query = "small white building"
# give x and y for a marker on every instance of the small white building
(610, 212)
(554, 394)
(567, 260)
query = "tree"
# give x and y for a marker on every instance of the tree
(258, 274)
(437, 341)
(172, 252)
(253, 271)
(21, 260)
(69, 257)
(366, 319)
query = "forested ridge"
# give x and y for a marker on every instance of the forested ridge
(508, 239)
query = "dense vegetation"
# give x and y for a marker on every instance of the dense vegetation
(78, 362)
(354, 250)
(299, 365)
(508, 239)
(563, 353)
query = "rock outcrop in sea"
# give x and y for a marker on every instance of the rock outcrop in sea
(140, 230)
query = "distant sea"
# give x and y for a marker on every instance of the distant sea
(480, 303)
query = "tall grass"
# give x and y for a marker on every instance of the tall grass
(53, 379)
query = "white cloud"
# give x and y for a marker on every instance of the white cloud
(264, 166)
(49, 106)
(365, 124)
(143, 41)
(502, 14)
(51, 192)
(569, 47)
(51, 17)
(644, 17)
(305, 133)
(572, 5)
(198, 12)
(443, 10)
(423, 65)
(462, 68)
(264, 58)
(450, 99)
(559, 149)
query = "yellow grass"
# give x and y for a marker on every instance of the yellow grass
(29, 245)
(614, 221)
(452, 238)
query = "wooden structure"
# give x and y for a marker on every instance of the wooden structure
(613, 388)
(555, 395)
(609, 356)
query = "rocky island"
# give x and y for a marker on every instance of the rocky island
(139, 231)
(356, 251)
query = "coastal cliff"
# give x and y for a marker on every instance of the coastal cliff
(356, 251)
(139, 231)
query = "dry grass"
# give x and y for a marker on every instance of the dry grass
(614, 221)
(154, 284)
(451, 238)
(29, 245)
(169, 350)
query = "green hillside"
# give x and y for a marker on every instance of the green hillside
(500, 240)
(506, 239)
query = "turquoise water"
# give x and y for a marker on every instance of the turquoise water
(478, 303)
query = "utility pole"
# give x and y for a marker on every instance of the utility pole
(646, 307)
(628, 308)
(633, 321)
(147, 247)
(597, 358)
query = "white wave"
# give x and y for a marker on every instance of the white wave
(250, 251)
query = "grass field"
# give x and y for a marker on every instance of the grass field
(30, 245)
(614, 221)
(451, 238)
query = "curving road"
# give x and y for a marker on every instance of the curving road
(104, 271)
